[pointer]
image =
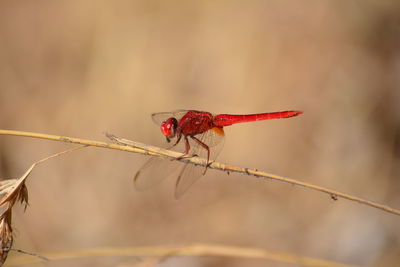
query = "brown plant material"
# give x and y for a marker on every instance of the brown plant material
(11, 191)
(5, 235)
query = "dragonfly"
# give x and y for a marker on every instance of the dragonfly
(202, 134)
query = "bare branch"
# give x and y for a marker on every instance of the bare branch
(159, 253)
(136, 147)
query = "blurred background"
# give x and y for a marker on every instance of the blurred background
(79, 69)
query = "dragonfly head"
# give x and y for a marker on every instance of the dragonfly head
(168, 128)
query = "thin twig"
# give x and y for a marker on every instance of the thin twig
(30, 254)
(145, 149)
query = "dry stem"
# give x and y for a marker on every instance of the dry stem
(140, 148)
(160, 253)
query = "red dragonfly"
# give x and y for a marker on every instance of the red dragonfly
(202, 134)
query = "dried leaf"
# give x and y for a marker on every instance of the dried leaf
(23, 196)
(15, 189)
(6, 238)
(11, 191)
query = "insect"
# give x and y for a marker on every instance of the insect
(202, 134)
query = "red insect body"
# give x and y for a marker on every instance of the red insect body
(195, 122)
(205, 132)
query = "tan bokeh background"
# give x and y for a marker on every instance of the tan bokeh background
(82, 68)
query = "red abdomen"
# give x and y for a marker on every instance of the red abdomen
(227, 119)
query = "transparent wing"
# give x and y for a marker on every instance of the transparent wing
(214, 138)
(159, 117)
(154, 171)
(157, 169)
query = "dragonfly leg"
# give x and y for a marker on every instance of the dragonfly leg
(187, 148)
(206, 147)
(177, 140)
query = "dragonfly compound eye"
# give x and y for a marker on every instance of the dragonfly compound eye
(168, 127)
